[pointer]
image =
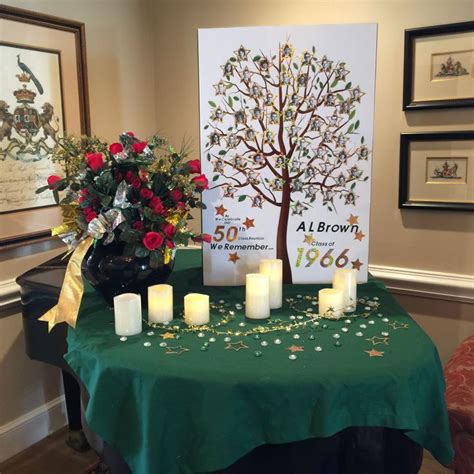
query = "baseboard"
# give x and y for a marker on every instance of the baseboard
(32, 427)
(426, 284)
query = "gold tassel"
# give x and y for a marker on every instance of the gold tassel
(71, 292)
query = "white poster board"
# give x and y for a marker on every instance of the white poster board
(286, 120)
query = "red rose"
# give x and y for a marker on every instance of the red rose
(129, 176)
(181, 206)
(176, 195)
(201, 182)
(169, 230)
(87, 210)
(131, 134)
(170, 244)
(115, 148)
(90, 216)
(194, 166)
(138, 147)
(136, 183)
(206, 238)
(53, 179)
(84, 192)
(95, 161)
(81, 199)
(146, 193)
(157, 205)
(138, 225)
(118, 176)
(152, 240)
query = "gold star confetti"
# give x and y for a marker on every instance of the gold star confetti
(296, 348)
(356, 264)
(353, 220)
(308, 239)
(378, 340)
(359, 236)
(220, 210)
(236, 346)
(233, 257)
(176, 350)
(374, 353)
(249, 223)
(167, 335)
(397, 325)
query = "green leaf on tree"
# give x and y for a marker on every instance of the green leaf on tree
(212, 104)
(356, 126)
(339, 96)
(206, 127)
(352, 114)
(348, 85)
(256, 58)
(222, 152)
(351, 128)
(242, 198)
(232, 59)
(313, 67)
(229, 101)
(215, 177)
(353, 185)
(313, 49)
(236, 98)
(334, 83)
(362, 140)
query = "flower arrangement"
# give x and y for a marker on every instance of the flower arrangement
(138, 193)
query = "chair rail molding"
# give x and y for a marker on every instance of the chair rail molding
(425, 283)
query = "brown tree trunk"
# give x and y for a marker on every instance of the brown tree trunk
(282, 247)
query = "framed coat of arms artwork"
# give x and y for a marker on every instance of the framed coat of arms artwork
(43, 95)
(286, 142)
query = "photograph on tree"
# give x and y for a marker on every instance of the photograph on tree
(286, 140)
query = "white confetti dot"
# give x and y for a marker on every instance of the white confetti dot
(371, 321)
(384, 333)
(318, 348)
(292, 357)
(241, 325)
(292, 317)
(296, 336)
(367, 308)
(363, 326)
(277, 341)
(212, 339)
(336, 336)
(147, 344)
(348, 321)
(344, 329)
(150, 333)
(163, 344)
(227, 339)
(264, 343)
(385, 320)
(201, 334)
(299, 317)
(359, 334)
(123, 338)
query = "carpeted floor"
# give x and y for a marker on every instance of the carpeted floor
(53, 456)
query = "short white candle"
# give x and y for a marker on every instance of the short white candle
(196, 309)
(160, 303)
(257, 296)
(273, 268)
(331, 303)
(128, 314)
(345, 279)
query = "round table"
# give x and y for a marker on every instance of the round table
(176, 402)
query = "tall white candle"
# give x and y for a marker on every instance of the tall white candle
(196, 309)
(128, 314)
(257, 296)
(160, 303)
(331, 303)
(345, 279)
(273, 269)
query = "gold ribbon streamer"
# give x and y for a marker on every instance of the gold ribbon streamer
(71, 292)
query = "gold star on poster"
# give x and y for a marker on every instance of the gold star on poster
(308, 239)
(220, 210)
(378, 340)
(233, 257)
(359, 236)
(296, 348)
(249, 223)
(397, 325)
(374, 353)
(167, 335)
(353, 220)
(176, 350)
(236, 346)
(356, 264)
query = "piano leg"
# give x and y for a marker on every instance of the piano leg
(72, 393)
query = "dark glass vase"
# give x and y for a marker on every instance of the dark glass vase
(112, 274)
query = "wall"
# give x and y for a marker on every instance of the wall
(122, 98)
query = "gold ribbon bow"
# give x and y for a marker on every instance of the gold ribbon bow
(67, 308)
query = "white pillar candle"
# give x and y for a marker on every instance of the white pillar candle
(345, 279)
(331, 303)
(257, 296)
(160, 303)
(196, 309)
(128, 314)
(273, 269)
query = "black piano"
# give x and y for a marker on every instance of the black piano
(352, 451)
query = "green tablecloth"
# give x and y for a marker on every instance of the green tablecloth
(202, 410)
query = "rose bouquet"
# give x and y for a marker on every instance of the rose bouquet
(134, 194)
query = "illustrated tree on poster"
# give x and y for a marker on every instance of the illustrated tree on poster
(279, 134)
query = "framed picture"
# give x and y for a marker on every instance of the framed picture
(439, 67)
(437, 171)
(43, 95)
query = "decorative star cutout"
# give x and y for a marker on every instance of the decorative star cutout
(356, 264)
(374, 353)
(220, 210)
(359, 236)
(236, 346)
(308, 239)
(397, 325)
(353, 220)
(167, 335)
(233, 257)
(296, 348)
(249, 223)
(378, 340)
(176, 350)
